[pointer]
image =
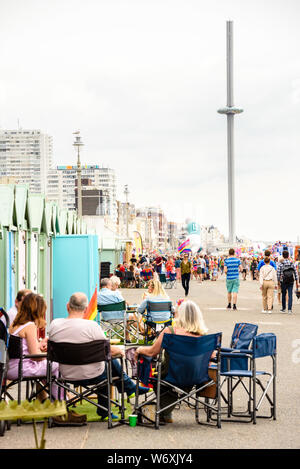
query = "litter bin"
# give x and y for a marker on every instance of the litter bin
(104, 270)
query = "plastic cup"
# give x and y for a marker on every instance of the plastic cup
(132, 420)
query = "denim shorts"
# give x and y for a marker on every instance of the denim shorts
(233, 285)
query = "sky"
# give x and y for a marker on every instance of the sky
(143, 80)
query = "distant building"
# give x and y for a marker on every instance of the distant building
(159, 224)
(94, 199)
(26, 157)
(62, 184)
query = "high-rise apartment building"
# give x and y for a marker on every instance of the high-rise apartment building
(26, 157)
(62, 183)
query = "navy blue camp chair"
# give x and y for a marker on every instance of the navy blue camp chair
(263, 345)
(158, 315)
(242, 336)
(187, 377)
(241, 340)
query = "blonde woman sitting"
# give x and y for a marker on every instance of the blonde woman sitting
(188, 322)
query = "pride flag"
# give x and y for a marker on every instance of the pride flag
(91, 311)
(185, 246)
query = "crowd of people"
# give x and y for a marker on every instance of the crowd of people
(202, 267)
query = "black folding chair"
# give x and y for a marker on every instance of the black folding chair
(263, 345)
(188, 377)
(4, 341)
(96, 351)
(34, 384)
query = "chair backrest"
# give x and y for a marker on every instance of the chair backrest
(159, 310)
(243, 334)
(264, 345)
(121, 306)
(66, 353)
(162, 278)
(4, 334)
(129, 275)
(189, 357)
(15, 347)
(3, 314)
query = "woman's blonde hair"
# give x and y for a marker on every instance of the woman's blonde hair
(115, 281)
(189, 317)
(158, 289)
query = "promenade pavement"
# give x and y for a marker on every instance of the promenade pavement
(184, 433)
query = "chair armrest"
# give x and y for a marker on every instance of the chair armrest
(236, 355)
(37, 355)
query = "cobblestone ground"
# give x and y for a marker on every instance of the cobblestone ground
(184, 433)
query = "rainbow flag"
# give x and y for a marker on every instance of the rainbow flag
(91, 311)
(185, 246)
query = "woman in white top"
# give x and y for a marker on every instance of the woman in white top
(268, 282)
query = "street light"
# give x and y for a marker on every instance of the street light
(78, 143)
(126, 192)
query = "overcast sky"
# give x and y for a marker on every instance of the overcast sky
(143, 80)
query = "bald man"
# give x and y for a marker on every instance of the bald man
(75, 329)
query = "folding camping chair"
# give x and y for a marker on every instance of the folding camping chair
(187, 378)
(263, 345)
(241, 339)
(159, 314)
(66, 353)
(34, 384)
(113, 319)
(168, 280)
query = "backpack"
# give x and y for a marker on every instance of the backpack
(288, 275)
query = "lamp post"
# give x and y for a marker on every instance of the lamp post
(77, 144)
(149, 232)
(126, 192)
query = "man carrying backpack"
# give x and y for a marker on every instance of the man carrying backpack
(286, 275)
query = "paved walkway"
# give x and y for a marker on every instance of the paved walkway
(184, 433)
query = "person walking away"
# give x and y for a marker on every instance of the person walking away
(177, 267)
(253, 268)
(186, 269)
(244, 268)
(286, 275)
(232, 266)
(268, 282)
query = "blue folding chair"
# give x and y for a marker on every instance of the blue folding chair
(263, 345)
(159, 314)
(241, 340)
(187, 377)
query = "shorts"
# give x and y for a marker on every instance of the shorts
(233, 285)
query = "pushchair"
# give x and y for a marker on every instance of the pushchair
(4, 341)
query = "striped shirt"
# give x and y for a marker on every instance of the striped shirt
(232, 264)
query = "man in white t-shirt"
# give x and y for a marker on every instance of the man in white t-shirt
(75, 329)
